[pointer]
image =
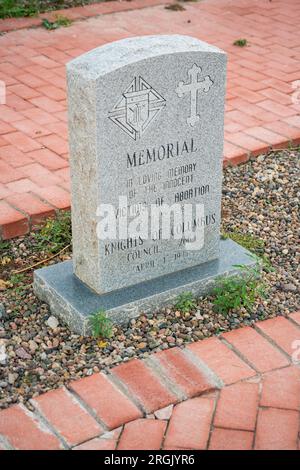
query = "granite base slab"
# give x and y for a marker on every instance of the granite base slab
(73, 302)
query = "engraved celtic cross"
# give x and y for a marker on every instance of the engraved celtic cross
(193, 87)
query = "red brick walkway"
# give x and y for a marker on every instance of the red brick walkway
(261, 110)
(239, 391)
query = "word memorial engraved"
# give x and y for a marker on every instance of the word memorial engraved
(146, 141)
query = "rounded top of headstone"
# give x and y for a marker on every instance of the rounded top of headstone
(112, 56)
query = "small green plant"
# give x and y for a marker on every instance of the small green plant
(239, 291)
(59, 21)
(240, 42)
(4, 246)
(186, 302)
(18, 8)
(48, 24)
(266, 264)
(56, 233)
(100, 325)
(16, 279)
(15, 282)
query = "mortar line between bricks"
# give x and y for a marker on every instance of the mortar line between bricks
(258, 138)
(234, 429)
(161, 372)
(87, 408)
(5, 442)
(18, 210)
(167, 429)
(39, 414)
(294, 323)
(37, 420)
(212, 427)
(79, 404)
(271, 341)
(28, 216)
(119, 436)
(264, 407)
(122, 387)
(239, 354)
(44, 200)
(87, 440)
(59, 185)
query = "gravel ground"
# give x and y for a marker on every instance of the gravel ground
(260, 198)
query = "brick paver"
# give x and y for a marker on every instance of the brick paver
(237, 406)
(15, 222)
(107, 441)
(184, 373)
(30, 204)
(281, 389)
(145, 385)
(24, 432)
(143, 434)
(190, 423)
(262, 109)
(296, 317)
(277, 429)
(97, 444)
(225, 363)
(256, 349)
(249, 410)
(282, 332)
(67, 416)
(229, 439)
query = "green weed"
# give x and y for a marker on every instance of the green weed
(239, 291)
(56, 233)
(240, 42)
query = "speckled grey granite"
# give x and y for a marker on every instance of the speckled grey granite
(140, 110)
(73, 302)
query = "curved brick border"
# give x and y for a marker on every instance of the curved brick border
(238, 391)
(78, 13)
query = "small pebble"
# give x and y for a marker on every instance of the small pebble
(39, 353)
(52, 322)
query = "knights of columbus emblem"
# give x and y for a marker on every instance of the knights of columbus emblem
(137, 108)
